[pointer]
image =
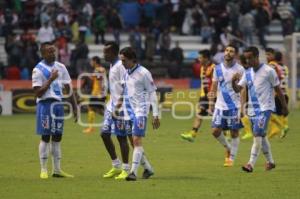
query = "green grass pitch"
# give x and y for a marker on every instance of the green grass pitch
(182, 170)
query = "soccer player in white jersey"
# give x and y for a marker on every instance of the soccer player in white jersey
(226, 113)
(261, 80)
(139, 94)
(48, 79)
(111, 124)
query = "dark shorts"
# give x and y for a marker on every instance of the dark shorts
(203, 106)
(97, 103)
(278, 104)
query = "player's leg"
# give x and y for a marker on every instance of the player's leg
(233, 122)
(109, 146)
(138, 132)
(124, 147)
(148, 170)
(56, 157)
(266, 149)
(43, 130)
(259, 123)
(91, 118)
(275, 126)
(235, 141)
(203, 107)
(44, 154)
(247, 127)
(285, 121)
(217, 128)
(276, 123)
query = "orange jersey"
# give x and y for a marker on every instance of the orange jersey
(206, 74)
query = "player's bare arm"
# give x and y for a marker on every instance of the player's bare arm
(237, 88)
(41, 90)
(281, 97)
(73, 101)
(212, 96)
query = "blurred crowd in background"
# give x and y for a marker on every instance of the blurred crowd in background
(25, 24)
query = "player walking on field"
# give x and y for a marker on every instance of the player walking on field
(261, 80)
(139, 94)
(226, 114)
(49, 77)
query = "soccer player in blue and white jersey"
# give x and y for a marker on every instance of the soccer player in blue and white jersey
(139, 94)
(111, 124)
(226, 114)
(48, 79)
(261, 80)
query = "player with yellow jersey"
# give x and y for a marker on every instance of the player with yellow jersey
(98, 93)
(206, 73)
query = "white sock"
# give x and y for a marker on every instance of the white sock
(56, 156)
(234, 147)
(126, 167)
(223, 141)
(136, 158)
(266, 149)
(117, 163)
(256, 147)
(145, 163)
(43, 154)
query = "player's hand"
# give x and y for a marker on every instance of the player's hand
(285, 111)
(54, 75)
(236, 77)
(155, 122)
(116, 114)
(210, 110)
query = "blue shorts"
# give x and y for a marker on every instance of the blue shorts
(115, 126)
(260, 123)
(226, 119)
(49, 117)
(139, 126)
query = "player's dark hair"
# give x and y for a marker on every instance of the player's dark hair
(270, 50)
(243, 59)
(129, 53)
(45, 44)
(205, 53)
(234, 47)
(114, 47)
(96, 59)
(253, 50)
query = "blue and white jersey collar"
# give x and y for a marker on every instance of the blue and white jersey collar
(131, 70)
(50, 65)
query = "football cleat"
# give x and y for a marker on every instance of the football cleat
(269, 166)
(284, 132)
(147, 174)
(122, 175)
(189, 136)
(44, 175)
(247, 168)
(62, 174)
(113, 172)
(88, 130)
(131, 177)
(247, 136)
(228, 162)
